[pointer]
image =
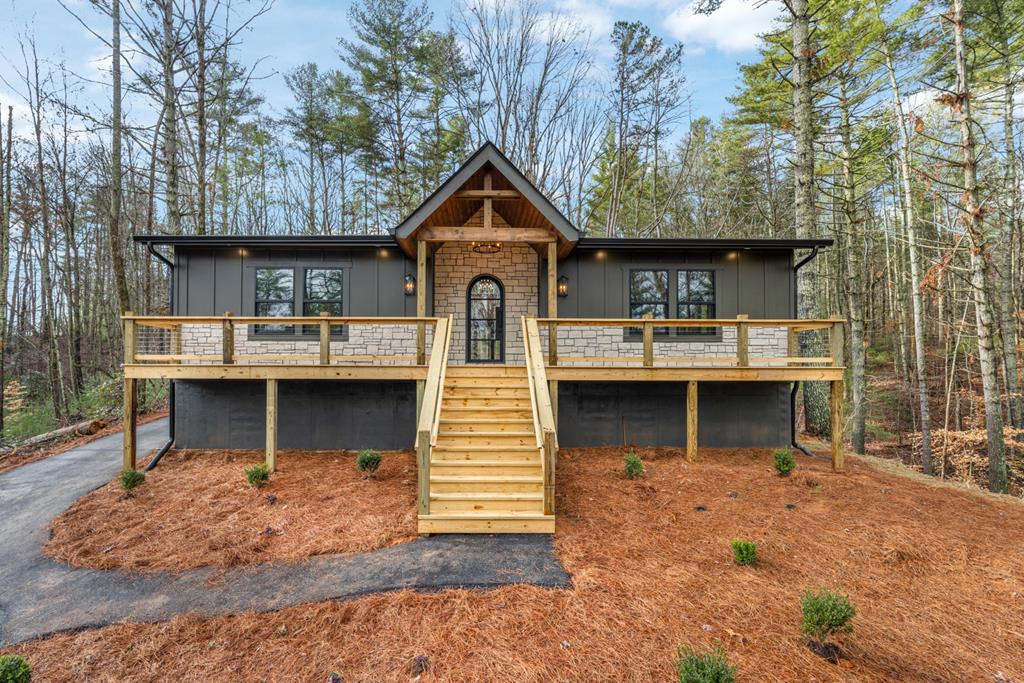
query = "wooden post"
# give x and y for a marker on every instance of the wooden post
(176, 343)
(742, 342)
(271, 447)
(792, 344)
(553, 328)
(228, 337)
(837, 425)
(691, 421)
(835, 339)
(128, 426)
(421, 302)
(130, 342)
(325, 340)
(488, 204)
(423, 471)
(550, 456)
(648, 341)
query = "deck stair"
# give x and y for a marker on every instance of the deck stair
(486, 473)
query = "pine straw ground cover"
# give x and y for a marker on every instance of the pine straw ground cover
(935, 574)
(196, 509)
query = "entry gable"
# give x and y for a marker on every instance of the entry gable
(486, 199)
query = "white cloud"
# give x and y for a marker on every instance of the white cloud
(591, 16)
(734, 27)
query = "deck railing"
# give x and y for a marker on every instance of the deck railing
(543, 415)
(643, 334)
(430, 410)
(253, 340)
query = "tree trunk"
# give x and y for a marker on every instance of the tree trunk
(170, 107)
(973, 217)
(1008, 324)
(114, 236)
(854, 279)
(917, 300)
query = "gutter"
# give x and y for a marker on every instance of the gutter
(170, 391)
(796, 385)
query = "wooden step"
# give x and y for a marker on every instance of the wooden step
(484, 468)
(473, 522)
(488, 402)
(481, 505)
(485, 497)
(486, 381)
(473, 439)
(459, 451)
(470, 426)
(485, 412)
(486, 392)
(485, 371)
(483, 484)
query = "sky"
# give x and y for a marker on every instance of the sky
(298, 31)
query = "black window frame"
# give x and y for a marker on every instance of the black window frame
(677, 334)
(499, 321)
(298, 303)
(262, 330)
(314, 330)
(667, 303)
(690, 302)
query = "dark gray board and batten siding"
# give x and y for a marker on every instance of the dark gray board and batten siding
(333, 415)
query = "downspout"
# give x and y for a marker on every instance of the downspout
(170, 391)
(796, 385)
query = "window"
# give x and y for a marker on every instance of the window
(321, 294)
(695, 299)
(692, 298)
(275, 297)
(648, 295)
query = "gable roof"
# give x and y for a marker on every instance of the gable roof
(488, 154)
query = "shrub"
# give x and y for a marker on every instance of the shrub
(784, 462)
(14, 669)
(705, 667)
(132, 478)
(826, 613)
(745, 552)
(367, 461)
(634, 465)
(257, 475)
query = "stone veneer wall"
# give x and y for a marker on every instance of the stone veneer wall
(762, 342)
(516, 266)
(362, 340)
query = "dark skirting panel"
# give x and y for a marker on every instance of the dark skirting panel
(729, 415)
(316, 415)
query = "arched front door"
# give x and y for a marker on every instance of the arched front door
(485, 320)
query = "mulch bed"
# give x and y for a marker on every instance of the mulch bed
(935, 574)
(196, 509)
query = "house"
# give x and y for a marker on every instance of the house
(486, 331)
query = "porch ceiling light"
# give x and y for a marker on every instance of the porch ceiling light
(563, 286)
(410, 284)
(487, 247)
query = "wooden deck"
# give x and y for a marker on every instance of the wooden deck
(486, 436)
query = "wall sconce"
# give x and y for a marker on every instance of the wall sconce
(410, 284)
(563, 287)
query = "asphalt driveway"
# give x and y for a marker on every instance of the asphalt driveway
(39, 596)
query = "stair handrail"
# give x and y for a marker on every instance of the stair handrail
(529, 380)
(435, 427)
(540, 396)
(430, 410)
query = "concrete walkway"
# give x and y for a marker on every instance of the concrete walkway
(39, 596)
